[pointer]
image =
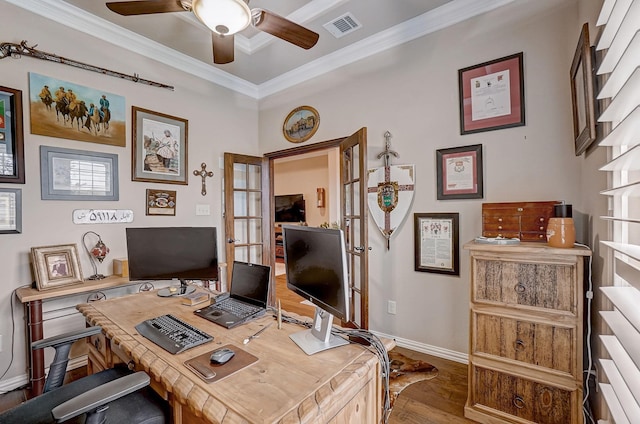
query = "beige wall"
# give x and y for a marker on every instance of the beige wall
(412, 91)
(304, 176)
(219, 120)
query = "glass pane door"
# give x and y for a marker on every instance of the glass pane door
(246, 210)
(353, 151)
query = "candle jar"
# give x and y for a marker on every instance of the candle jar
(561, 232)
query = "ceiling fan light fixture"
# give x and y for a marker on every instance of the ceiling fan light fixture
(224, 17)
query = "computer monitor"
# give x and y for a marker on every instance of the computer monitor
(316, 266)
(166, 253)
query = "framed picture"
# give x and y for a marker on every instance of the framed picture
(159, 152)
(11, 136)
(68, 174)
(582, 98)
(10, 210)
(55, 266)
(492, 95)
(301, 124)
(437, 243)
(68, 110)
(459, 173)
(161, 202)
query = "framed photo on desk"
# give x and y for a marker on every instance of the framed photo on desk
(55, 266)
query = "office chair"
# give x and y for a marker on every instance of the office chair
(115, 395)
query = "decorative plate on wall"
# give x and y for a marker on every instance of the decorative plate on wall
(301, 124)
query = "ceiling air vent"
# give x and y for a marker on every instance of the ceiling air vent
(342, 25)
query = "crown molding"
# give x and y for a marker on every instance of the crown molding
(76, 18)
(446, 15)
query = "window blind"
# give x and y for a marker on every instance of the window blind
(620, 67)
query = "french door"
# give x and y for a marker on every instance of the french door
(249, 232)
(246, 210)
(354, 222)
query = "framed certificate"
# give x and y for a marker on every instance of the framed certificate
(437, 243)
(492, 95)
(459, 173)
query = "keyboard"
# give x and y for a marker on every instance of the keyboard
(239, 309)
(172, 334)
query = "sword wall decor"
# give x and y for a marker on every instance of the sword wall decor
(16, 51)
(390, 191)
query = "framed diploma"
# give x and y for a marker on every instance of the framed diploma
(459, 173)
(492, 95)
(437, 243)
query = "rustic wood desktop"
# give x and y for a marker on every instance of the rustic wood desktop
(284, 385)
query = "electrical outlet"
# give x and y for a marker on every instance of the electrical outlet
(391, 307)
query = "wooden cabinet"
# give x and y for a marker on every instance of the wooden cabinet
(524, 220)
(526, 334)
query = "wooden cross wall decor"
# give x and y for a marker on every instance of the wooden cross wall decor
(204, 174)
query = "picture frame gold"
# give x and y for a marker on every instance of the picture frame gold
(582, 93)
(55, 266)
(301, 124)
(149, 162)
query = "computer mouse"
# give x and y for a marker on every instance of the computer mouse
(222, 355)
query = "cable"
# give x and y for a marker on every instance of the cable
(586, 411)
(13, 333)
(375, 345)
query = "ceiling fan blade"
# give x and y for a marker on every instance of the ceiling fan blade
(283, 28)
(223, 48)
(128, 8)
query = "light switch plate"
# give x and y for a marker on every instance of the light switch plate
(203, 209)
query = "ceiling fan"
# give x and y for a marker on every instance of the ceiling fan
(224, 18)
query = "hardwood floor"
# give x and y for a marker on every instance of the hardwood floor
(437, 401)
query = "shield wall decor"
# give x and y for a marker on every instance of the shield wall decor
(390, 194)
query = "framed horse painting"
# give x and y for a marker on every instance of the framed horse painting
(67, 110)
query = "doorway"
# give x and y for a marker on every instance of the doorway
(309, 184)
(249, 212)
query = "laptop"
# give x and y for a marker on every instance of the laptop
(247, 299)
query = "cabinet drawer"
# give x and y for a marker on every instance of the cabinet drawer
(518, 397)
(534, 343)
(99, 342)
(533, 236)
(548, 286)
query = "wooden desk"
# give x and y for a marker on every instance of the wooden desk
(32, 299)
(283, 386)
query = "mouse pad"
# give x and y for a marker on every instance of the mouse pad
(203, 368)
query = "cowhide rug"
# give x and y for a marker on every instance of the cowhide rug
(406, 371)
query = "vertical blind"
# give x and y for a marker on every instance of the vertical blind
(620, 67)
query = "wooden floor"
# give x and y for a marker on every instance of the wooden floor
(437, 401)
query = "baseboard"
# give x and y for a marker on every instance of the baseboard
(22, 380)
(11, 384)
(450, 355)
